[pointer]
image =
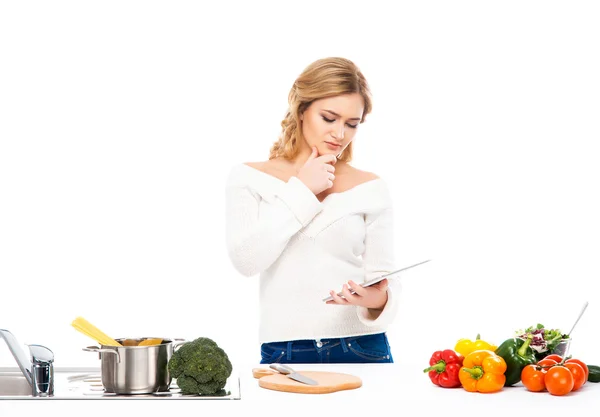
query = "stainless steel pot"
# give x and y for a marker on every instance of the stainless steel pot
(136, 369)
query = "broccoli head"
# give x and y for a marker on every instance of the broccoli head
(200, 367)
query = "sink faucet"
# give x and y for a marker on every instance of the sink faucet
(38, 370)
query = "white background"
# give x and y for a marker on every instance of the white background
(120, 121)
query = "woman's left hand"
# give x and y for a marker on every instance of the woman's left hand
(374, 297)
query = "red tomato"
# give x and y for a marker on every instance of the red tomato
(533, 378)
(555, 357)
(546, 363)
(583, 365)
(559, 380)
(578, 373)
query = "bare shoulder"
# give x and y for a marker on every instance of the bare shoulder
(271, 164)
(274, 167)
(359, 176)
(256, 165)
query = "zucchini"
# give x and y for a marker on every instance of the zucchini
(594, 375)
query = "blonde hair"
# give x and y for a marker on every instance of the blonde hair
(323, 78)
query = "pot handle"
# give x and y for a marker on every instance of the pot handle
(98, 350)
(178, 342)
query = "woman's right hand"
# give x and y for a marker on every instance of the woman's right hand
(317, 172)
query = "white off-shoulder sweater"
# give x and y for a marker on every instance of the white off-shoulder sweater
(302, 248)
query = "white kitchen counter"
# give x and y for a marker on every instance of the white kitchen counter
(409, 386)
(404, 386)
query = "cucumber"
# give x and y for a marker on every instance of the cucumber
(594, 375)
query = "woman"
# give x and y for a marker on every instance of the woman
(311, 225)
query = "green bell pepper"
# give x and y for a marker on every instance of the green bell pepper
(517, 354)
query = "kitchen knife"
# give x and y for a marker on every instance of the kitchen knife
(290, 373)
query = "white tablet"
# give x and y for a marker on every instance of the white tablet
(380, 278)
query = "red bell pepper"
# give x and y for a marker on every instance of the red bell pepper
(444, 368)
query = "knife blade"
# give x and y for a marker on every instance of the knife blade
(290, 373)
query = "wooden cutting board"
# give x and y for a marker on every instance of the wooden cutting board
(328, 381)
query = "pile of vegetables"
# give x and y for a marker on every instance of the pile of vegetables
(531, 357)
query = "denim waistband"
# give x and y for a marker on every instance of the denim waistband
(311, 344)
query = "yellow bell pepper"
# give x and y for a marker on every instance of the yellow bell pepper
(482, 371)
(466, 346)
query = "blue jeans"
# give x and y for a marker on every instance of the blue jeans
(372, 348)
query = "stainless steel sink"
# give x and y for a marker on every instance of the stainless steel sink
(14, 384)
(86, 383)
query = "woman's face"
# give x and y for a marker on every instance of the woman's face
(331, 123)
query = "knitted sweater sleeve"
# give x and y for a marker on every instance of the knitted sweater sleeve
(378, 259)
(259, 227)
